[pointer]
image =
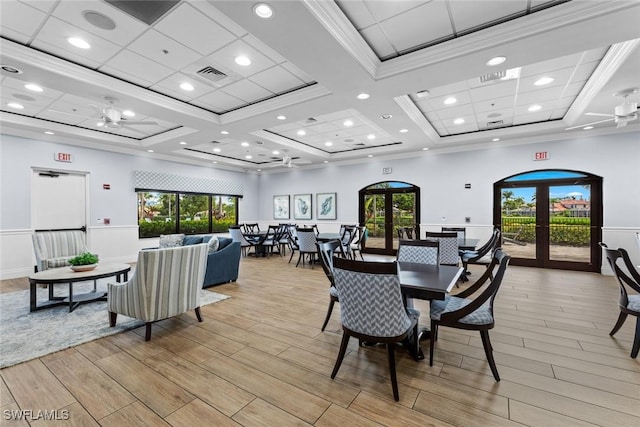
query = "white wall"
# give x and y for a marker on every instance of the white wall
(117, 242)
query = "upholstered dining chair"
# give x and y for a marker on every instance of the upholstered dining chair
(418, 251)
(326, 252)
(482, 255)
(306, 245)
(460, 231)
(371, 309)
(629, 282)
(165, 283)
(236, 234)
(448, 246)
(475, 314)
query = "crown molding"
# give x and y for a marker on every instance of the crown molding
(414, 113)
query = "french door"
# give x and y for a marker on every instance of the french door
(551, 219)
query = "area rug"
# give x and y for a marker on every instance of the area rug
(25, 335)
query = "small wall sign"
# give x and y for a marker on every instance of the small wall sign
(541, 155)
(386, 171)
(106, 186)
(62, 157)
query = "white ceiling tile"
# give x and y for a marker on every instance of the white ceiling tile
(495, 104)
(136, 68)
(540, 96)
(357, 13)
(378, 41)
(573, 89)
(226, 57)
(24, 20)
(547, 107)
(247, 91)
(421, 25)
(594, 54)
(171, 86)
(14, 35)
(12, 83)
(155, 45)
(464, 128)
(496, 114)
(25, 98)
(531, 117)
(472, 13)
(455, 111)
(203, 35)
(43, 5)
(323, 128)
(584, 71)
(53, 38)
(212, 12)
(382, 10)
(127, 28)
(561, 77)
(495, 90)
(261, 47)
(447, 89)
(276, 80)
(437, 102)
(558, 114)
(552, 64)
(297, 72)
(218, 101)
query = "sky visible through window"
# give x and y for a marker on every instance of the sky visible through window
(579, 192)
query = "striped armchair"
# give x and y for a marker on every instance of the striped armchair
(54, 249)
(166, 282)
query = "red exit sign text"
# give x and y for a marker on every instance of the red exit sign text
(62, 157)
(541, 155)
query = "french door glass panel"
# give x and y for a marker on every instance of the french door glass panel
(374, 208)
(404, 213)
(570, 223)
(518, 209)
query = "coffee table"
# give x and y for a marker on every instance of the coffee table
(66, 275)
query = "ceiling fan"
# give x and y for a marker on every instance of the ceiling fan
(622, 114)
(110, 116)
(290, 162)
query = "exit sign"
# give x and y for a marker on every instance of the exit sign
(541, 155)
(62, 157)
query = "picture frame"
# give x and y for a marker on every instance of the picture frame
(281, 207)
(302, 206)
(327, 206)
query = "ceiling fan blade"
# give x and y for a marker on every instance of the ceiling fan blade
(599, 114)
(589, 124)
(138, 122)
(621, 123)
(96, 108)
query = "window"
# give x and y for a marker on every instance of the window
(168, 213)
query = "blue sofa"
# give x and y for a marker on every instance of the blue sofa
(223, 264)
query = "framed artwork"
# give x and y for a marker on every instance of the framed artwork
(327, 205)
(302, 206)
(281, 207)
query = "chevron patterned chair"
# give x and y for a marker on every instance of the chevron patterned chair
(326, 251)
(418, 251)
(371, 309)
(475, 314)
(165, 283)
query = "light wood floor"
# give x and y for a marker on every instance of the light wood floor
(260, 359)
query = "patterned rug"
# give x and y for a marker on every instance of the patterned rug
(25, 335)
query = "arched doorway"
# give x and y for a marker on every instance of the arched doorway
(551, 219)
(384, 207)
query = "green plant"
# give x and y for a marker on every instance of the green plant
(84, 259)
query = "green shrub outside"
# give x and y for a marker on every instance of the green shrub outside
(156, 228)
(564, 231)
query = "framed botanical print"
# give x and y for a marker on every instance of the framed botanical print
(281, 207)
(327, 205)
(302, 206)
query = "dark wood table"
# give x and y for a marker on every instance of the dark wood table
(66, 275)
(253, 237)
(426, 282)
(325, 237)
(467, 244)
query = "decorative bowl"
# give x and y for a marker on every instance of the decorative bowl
(86, 267)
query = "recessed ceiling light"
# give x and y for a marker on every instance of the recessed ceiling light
(535, 107)
(99, 20)
(245, 144)
(216, 150)
(363, 96)
(186, 86)
(496, 61)
(495, 139)
(371, 136)
(326, 161)
(275, 152)
(243, 60)
(214, 162)
(78, 42)
(543, 81)
(150, 151)
(100, 124)
(33, 87)
(301, 132)
(422, 94)
(183, 143)
(348, 123)
(15, 105)
(370, 155)
(458, 121)
(48, 132)
(328, 143)
(404, 130)
(248, 156)
(128, 113)
(263, 10)
(386, 116)
(451, 100)
(281, 117)
(10, 69)
(224, 132)
(587, 128)
(425, 149)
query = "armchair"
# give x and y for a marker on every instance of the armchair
(166, 282)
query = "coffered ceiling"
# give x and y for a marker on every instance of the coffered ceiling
(211, 83)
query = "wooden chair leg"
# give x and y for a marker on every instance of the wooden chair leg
(392, 371)
(300, 257)
(198, 315)
(636, 340)
(112, 318)
(341, 353)
(432, 340)
(147, 335)
(618, 325)
(329, 310)
(292, 253)
(488, 350)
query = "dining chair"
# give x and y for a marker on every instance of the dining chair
(629, 282)
(448, 246)
(270, 240)
(461, 231)
(358, 245)
(418, 251)
(482, 255)
(235, 232)
(306, 245)
(371, 309)
(251, 228)
(347, 236)
(326, 252)
(461, 312)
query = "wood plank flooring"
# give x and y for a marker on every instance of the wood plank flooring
(260, 359)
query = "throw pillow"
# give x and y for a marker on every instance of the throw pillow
(213, 244)
(171, 240)
(192, 240)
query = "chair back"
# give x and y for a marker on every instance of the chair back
(370, 298)
(625, 272)
(252, 228)
(306, 239)
(362, 234)
(236, 234)
(326, 251)
(54, 248)
(461, 231)
(418, 251)
(166, 282)
(448, 246)
(490, 245)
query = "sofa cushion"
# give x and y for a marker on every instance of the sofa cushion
(214, 244)
(192, 240)
(224, 242)
(170, 240)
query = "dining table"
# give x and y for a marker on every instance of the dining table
(325, 237)
(467, 244)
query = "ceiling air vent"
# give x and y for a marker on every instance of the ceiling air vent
(493, 76)
(211, 74)
(495, 123)
(311, 120)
